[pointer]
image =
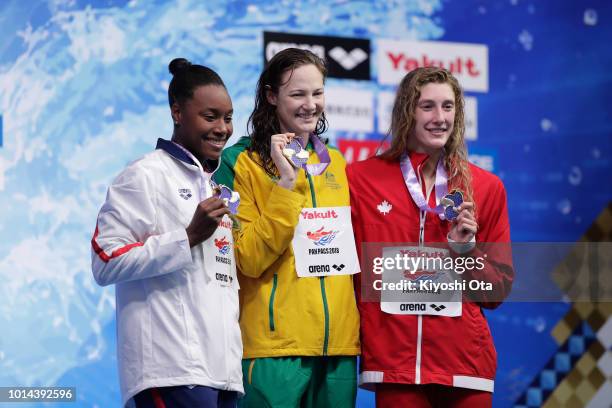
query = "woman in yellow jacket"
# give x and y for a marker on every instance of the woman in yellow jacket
(299, 321)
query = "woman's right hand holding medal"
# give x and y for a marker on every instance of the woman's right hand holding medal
(206, 218)
(464, 227)
(287, 172)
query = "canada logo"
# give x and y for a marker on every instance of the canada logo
(223, 245)
(321, 237)
(420, 275)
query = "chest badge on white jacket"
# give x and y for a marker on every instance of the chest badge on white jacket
(185, 193)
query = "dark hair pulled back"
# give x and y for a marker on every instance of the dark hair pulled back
(186, 77)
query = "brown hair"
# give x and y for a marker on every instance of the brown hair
(403, 122)
(263, 122)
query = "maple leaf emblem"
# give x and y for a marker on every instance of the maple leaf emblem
(384, 207)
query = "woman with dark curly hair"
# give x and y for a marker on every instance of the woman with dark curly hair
(295, 251)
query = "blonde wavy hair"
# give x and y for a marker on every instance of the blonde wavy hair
(403, 123)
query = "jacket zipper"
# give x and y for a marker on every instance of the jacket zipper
(226, 341)
(417, 371)
(271, 305)
(322, 278)
(419, 345)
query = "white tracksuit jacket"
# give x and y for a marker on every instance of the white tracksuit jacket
(177, 313)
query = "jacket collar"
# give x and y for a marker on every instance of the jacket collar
(417, 159)
(178, 153)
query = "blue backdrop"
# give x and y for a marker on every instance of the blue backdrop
(83, 92)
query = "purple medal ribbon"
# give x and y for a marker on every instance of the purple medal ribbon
(321, 150)
(313, 169)
(415, 190)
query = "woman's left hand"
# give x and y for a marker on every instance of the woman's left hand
(464, 227)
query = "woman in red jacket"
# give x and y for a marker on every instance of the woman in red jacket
(424, 346)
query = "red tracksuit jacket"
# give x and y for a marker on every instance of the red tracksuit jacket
(411, 349)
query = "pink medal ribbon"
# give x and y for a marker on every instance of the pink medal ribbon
(415, 190)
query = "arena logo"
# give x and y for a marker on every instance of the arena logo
(468, 62)
(318, 268)
(347, 58)
(413, 307)
(185, 193)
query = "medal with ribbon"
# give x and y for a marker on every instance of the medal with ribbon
(230, 198)
(451, 203)
(298, 156)
(447, 204)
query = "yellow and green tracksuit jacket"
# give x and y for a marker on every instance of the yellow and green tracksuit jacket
(281, 314)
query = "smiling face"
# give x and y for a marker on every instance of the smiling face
(434, 117)
(204, 122)
(300, 100)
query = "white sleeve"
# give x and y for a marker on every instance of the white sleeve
(126, 245)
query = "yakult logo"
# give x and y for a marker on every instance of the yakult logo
(457, 66)
(319, 215)
(422, 254)
(225, 224)
(468, 62)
